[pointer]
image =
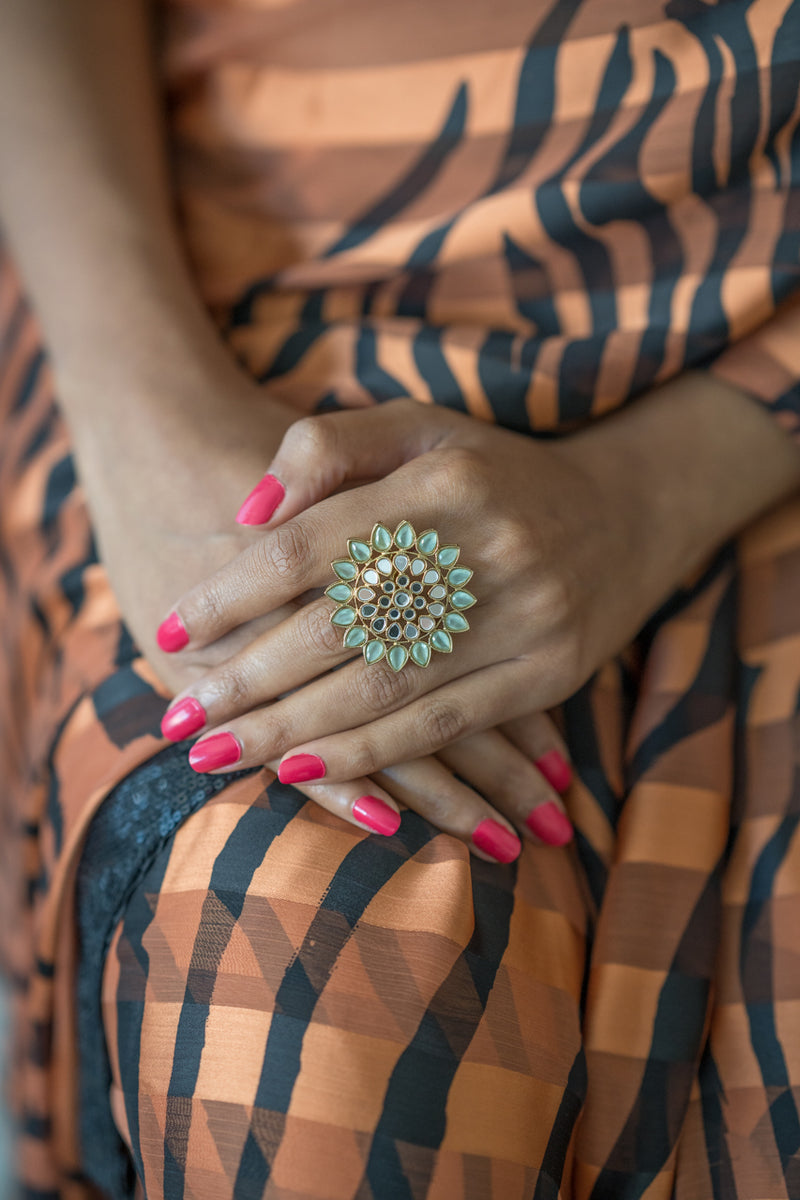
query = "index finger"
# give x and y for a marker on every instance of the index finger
(308, 551)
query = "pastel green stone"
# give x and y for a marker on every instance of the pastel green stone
(428, 541)
(459, 576)
(398, 657)
(381, 538)
(421, 653)
(339, 592)
(355, 637)
(360, 551)
(440, 640)
(462, 599)
(447, 556)
(374, 651)
(345, 569)
(456, 623)
(404, 537)
(343, 616)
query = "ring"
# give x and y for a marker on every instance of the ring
(401, 595)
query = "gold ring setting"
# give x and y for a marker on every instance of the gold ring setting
(400, 595)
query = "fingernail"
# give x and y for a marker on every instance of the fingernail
(555, 769)
(172, 635)
(377, 815)
(493, 838)
(300, 768)
(219, 750)
(183, 719)
(550, 824)
(262, 501)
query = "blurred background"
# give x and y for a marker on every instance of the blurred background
(6, 1179)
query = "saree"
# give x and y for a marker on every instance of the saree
(534, 215)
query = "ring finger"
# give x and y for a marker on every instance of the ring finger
(511, 782)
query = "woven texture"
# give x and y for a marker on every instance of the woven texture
(532, 215)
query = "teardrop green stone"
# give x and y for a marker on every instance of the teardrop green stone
(339, 592)
(343, 616)
(448, 555)
(381, 538)
(440, 640)
(456, 623)
(398, 657)
(355, 637)
(373, 651)
(459, 576)
(360, 551)
(421, 653)
(404, 535)
(462, 600)
(345, 569)
(428, 541)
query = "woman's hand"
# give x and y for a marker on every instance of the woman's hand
(162, 488)
(563, 577)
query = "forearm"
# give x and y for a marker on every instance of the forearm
(688, 466)
(85, 203)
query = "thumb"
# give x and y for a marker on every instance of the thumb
(320, 453)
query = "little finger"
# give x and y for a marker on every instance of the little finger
(511, 783)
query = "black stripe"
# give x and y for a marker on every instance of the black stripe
(718, 1156)
(420, 176)
(360, 876)
(231, 876)
(707, 698)
(756, 967)
(535, 94)
(548, 1185)
(414, 1108)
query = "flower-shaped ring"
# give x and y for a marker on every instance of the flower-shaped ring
(400, 595)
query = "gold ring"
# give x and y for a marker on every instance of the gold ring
(400, 595)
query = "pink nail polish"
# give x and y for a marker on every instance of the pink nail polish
(172, 635)
(262, 501)
(183, 719)
(550, 824)
(377, 815)
(493, 838)
(219, 750)
(555, 769)
(300, 768)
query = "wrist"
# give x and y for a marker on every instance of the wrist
(683, 469)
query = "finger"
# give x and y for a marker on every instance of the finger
(453, 711)
(538, 738)
(319, 453)
(296, 652)
(298, 556)
(361, 802)
(304, 646)
(511, 783)
(430, 789)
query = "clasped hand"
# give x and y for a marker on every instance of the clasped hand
(551, 558)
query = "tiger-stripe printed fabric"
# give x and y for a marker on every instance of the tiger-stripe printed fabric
(533, 213)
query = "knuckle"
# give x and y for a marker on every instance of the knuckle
(382, 689)
(512, 543)
(286, 551)
(445, 722)
(310, 435)
(275, 736)
(362, 759)
(470, 476)
(206, 608)
(232, 686)
(315, 629)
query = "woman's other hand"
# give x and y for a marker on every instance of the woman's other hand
(560, 580)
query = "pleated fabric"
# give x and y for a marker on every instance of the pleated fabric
(534, 215)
